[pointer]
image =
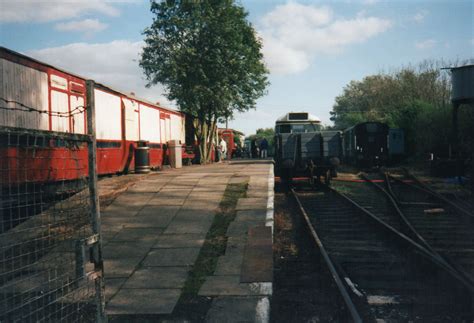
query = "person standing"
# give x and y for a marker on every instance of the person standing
(264, 148)
(253, 149)
(222, 149)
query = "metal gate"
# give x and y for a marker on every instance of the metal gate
(50, 255)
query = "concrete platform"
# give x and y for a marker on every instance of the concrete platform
(153, 233)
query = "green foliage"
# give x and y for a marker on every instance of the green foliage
(416, 99)
(208, 57)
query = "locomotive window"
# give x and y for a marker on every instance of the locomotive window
(371, 127)
(297, 128)
(284, 128)
(298, 116)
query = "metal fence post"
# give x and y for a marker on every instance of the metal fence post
(94, 202)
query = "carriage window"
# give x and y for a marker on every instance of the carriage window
(371, 127)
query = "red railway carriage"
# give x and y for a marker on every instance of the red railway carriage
(122, 120)
(232, 138)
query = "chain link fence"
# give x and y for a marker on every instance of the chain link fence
(50, 258)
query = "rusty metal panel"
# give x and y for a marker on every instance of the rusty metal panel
(26, 88)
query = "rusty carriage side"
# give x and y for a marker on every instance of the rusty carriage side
(304, 150)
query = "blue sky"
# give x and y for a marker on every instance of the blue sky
(312, 48)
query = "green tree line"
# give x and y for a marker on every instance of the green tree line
(414, 98)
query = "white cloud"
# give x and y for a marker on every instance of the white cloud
(420, 16)
(472, 41)
(426, 44)
(52, 10)
(86, 25)
(293, 34)
(114, 64)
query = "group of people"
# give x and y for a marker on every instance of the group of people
(259, 149)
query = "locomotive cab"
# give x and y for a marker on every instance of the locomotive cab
(366, 144)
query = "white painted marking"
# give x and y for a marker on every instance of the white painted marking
(262, 312)
(381, 300)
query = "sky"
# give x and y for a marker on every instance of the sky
(312, 49)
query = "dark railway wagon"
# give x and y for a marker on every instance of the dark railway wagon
(302, 149)
(366, 144)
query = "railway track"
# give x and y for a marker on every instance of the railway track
(446, 226)
(383, 273)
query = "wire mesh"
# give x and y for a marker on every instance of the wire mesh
(45, 228)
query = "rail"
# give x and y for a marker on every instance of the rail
(395, 202)
(422, 186)
(440, 263)
(335, 275)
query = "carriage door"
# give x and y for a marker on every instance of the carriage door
(165, 127)
(59, 104)
(132, 127)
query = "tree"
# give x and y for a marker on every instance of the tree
(208, 57)
(416, 99)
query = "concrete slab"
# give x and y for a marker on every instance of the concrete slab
(257, 192)
(116, 210)
(112, 285)
(133, 198)
(173, 192)
(229, 265)
(237, 309)
(257, 265)
(252, 203)
(120, 268)
(147, 187)
(158, 277)
(237, 229)
(239, 179)
(171, 257)
(143, 301)
(138, 234)
(163, 200)
(204, 187)
(116, 223)
(231, 286)
(187, 240)
(251, 216)
(163, 211)
(189, 226)
(210, 206)
(150, 221)
(107, 236)
(126, 249)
